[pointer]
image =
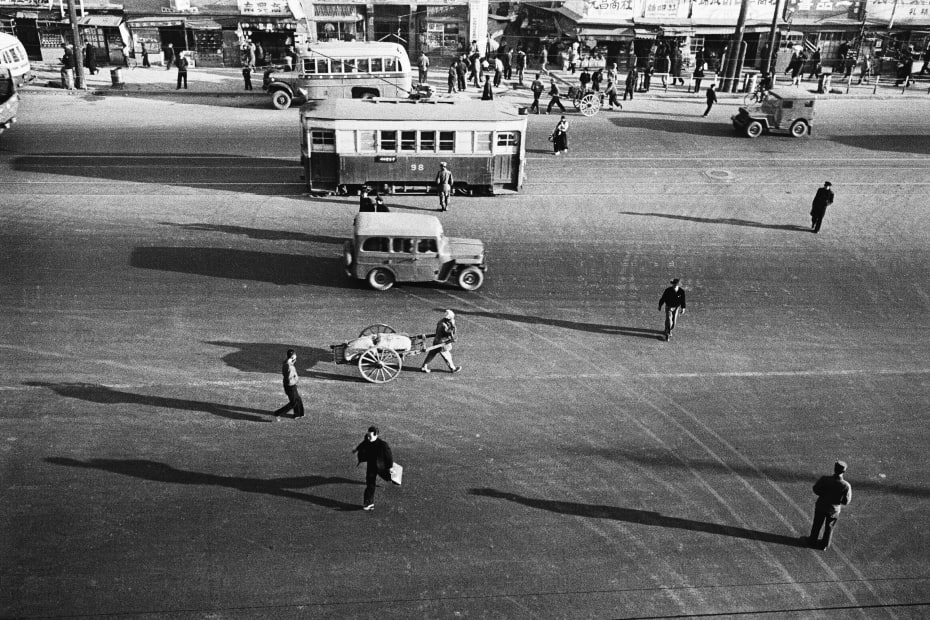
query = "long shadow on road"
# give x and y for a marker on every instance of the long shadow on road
(267, 357)
(160, 472)
(284, 269)
(614, 330)
(105, 395)
(263, 234)
(730, 221)
(643, 517)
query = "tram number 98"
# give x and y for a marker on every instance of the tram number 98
(416, 167)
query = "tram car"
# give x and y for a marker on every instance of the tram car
(396, 145)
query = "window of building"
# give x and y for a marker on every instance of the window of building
(408, 140)
(446, 140)
(388, 141)
(427, 140)
(375, 244)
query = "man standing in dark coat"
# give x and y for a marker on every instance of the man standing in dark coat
(822, 200)
(832, 494)
(377, 454)
(674, 301)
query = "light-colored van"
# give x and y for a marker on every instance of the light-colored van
(410, 247)
(339, 70)
(13, 57)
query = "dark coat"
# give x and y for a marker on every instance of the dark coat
(832, 494)
(822, 200)
(377, 455)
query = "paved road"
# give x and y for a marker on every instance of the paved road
(159, 257)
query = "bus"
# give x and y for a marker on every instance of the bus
(335, 70)
(13, 57)
(396, 145)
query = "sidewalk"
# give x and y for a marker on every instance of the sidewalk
(223, 81)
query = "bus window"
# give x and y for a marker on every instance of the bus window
(309, 65)
(390, 65)
(323, 140)
(376, 65)
(427, 246)
(483, 141)
(403, 245)
(428, 141)
(375, 244)
(335, 65)
(446, 140)
(322, 65)
(366, 141)
(408, 140)
(361, 65)
(351, 65)
(388, 141)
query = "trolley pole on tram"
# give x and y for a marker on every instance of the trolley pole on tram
(78, 46)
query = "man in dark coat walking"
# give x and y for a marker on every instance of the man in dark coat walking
(832, 494)
(711, 99)
(674, 301)
(822, 199)
(376, 453)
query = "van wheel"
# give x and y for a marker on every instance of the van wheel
(281, 100)
(380, 279)
(754, 129)
(471, 278)
(798, 129)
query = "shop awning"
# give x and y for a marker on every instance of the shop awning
(202, 24)
(644, 33)
(101, 21)
(27, 15)
(676, 31)
(155, 22)
(729, 29)
(334, 13)
(605, 32)
(268, 23)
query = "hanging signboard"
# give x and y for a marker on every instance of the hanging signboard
(602, 11)
(264, 7)
(913, 12)
(666, 9)
(727, 11)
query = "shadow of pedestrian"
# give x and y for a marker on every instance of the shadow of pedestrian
(104, 395)
(612, 330)
(642, 517)
(731, 221)
(160, 472)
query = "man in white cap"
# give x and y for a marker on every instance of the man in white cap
(674, 301)
(444, 183)
(442, 341)
(832, 494)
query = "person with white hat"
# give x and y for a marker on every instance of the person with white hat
(442, 342)
(832, 494)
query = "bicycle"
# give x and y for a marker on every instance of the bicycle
(756, 96)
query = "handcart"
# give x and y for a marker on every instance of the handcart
(379, 351)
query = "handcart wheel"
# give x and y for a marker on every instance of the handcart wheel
(377, 328)
(590, 104)
(380, 365)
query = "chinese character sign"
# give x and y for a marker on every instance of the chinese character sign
(916, 12)
(727, 11)
(264, 7)
(602, 9)
(664, 9)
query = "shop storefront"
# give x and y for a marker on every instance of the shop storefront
(205, 30)
(339, 22)
(43, 31)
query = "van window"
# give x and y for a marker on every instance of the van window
(404, 246)
(427, 246)
(787, 105)
(388, 141)
(375, 244)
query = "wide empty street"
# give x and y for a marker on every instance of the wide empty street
(159, 255)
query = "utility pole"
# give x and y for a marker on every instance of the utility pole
(770, 61)
(862, 9)
(735, 57)
(78, 47)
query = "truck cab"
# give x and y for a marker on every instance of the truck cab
(784, 110)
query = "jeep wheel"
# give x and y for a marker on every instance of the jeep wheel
(798, 129)
(380, 279)
(754, 129)
(281, 100)
(471, 278)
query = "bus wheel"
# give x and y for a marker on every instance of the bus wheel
(471, 278)
(281, 100)
(380, 279)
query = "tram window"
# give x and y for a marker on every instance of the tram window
(426, 246)
(390, 65)
(309, 65)
(388, 141)
(446, 140)
(507, 138)
(375, 244)
(322, 137)
(464, 141)
(427, 140)
(403, 245)
(376, 65)
(483, 141)
(366, 141)
(408, 140)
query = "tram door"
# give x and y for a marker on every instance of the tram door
(502, 174)
(324, 161)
